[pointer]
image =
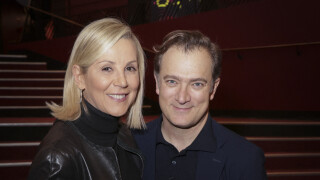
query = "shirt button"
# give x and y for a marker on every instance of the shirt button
(174, 162)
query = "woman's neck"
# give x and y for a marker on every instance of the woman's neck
(99, 127)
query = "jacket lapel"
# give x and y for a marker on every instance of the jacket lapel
(146, 141)
(149, 152)
(210, 166)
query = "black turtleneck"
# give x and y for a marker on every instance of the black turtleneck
(99, 127)
(102, 129)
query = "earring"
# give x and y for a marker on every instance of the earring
(81, 95)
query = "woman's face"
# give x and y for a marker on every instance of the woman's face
(112, 82)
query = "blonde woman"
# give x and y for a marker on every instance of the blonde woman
(104, 82)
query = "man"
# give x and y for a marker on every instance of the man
(185, 142)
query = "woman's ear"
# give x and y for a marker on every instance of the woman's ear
(78, 76)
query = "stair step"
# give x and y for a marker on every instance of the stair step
(220, 120)
(287, 144)
(9, 149)
(13, 56)
(32, 73)
(266, 127)
(31, 82)
(280, 130)
(38, 121)
(8, 101)
(309, 130)
(31, 91)
(41, 111)
(23, 166)
(294, 175)
(264, 121)
(25, 111)
(289, 161)
(24, 129)
(18, 150)
(33, 132)
(23, 65)
(19, 121)
(14, 170)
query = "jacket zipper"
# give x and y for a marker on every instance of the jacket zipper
(118, 166)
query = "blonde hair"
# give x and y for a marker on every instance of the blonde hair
(91, 43)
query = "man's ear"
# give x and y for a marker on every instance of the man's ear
(157, 83)
(78, 76)
(215, 87)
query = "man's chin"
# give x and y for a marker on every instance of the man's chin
(181, 125)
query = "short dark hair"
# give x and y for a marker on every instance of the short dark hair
(188, 41)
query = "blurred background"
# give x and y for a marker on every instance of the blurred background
(269, 89)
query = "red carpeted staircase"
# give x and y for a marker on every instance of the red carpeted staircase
(291, 146)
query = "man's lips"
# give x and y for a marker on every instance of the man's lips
(182, 108)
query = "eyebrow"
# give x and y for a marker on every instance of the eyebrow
(171, 77)
(177, 78)
(199, 79)
(104, 61)
(113, 62)
(132, 62)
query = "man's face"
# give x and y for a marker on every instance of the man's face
(184, 86)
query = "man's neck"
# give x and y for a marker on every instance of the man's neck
(181, 138)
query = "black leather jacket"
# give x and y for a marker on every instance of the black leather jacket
(66, 154)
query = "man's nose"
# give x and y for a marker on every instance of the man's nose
(183, 95)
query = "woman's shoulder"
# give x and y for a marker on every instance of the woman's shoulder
(56, 153)
(60, 138)
(52, 163)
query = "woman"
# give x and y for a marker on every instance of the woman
(104, 82)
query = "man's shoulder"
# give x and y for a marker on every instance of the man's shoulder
(242, 157)
(148, 133)
(151, 127)
(233, 144)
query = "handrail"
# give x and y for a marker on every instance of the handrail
(56, 16)
(259, 47)
(272, 46)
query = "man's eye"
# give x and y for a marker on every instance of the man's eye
(131, 68)
(198, 85)
(171, 82)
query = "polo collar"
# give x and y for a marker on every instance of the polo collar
(205, 141)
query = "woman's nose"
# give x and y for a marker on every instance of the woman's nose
(121, 80)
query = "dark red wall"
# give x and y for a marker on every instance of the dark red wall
(279, 79)
(276, 79)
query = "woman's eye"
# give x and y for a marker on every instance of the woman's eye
(107, 69)
(131, 68)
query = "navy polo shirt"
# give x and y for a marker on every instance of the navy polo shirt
(172, 165)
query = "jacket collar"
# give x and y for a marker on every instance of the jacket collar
(126, 140)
